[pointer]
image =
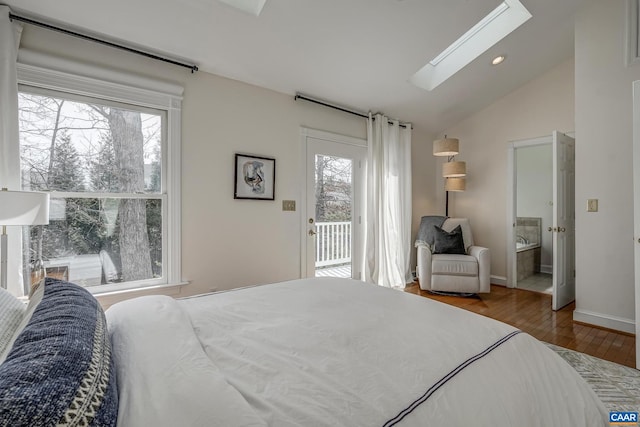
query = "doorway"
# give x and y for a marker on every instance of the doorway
(332, 231)
(541, 219)
(534, 215)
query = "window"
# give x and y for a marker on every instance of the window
(109, 155)
(498, 24)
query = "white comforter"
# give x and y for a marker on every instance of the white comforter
(334, 352)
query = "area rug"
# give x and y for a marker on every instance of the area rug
(616, 385)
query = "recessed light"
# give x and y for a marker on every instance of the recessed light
(498, 59)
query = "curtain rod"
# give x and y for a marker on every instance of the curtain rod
(192, 67)
(325, 104)
(338, 107)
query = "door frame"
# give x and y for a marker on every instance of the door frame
(636, 209)
(512, 189)
(512, 202)
(357, 254)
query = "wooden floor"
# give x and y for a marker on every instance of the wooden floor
(531, 312)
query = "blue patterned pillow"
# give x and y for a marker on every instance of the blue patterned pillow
(59, 370)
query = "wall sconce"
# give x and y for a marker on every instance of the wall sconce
(454, 172)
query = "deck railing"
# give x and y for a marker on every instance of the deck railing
(333, 243)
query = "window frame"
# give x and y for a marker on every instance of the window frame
(36, 70)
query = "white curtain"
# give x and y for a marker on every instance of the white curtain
(9, 151)
(388, 235)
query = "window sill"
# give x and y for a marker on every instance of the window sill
(107, 299)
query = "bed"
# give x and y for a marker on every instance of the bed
(320, 352)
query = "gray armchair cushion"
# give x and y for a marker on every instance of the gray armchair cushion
(448, 242)
(426, 233)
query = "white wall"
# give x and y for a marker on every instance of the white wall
(534, 169)
(533, 110)
(604, 239)
(228, 243)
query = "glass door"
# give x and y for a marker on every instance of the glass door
(333, 222)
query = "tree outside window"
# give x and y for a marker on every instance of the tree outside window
(103, 164)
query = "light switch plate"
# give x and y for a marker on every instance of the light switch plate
(592, 205)
(288, 205)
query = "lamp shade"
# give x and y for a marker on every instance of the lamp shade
(454, 169)
(455, 184)
(446, 147)
(24, 208)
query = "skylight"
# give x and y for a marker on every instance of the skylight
(501, 22)
(253, 7)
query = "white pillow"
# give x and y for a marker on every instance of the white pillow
(27, 311)
(11, 313)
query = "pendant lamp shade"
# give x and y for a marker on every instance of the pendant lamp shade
(454, 172)
(445, 147)
(455, 184)
(454, 169)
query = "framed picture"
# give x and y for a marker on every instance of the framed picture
(255, 177)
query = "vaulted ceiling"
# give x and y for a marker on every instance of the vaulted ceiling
(357, 53)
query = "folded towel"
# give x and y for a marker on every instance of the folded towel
(426, 232)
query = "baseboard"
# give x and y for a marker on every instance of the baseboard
(605, 321)
(546, 269)
(498, 280)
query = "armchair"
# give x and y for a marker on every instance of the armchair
(468, 273)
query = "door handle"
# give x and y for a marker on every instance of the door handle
(553, 229)
(312, 233)
(562, 229)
